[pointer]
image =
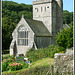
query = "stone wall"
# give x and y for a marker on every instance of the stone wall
(42, 42)
(63, 62)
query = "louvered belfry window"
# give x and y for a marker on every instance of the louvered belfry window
(22, 36)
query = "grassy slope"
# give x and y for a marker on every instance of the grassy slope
(42, 62)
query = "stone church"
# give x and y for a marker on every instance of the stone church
(40, 31)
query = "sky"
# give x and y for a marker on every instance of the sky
(67, 4)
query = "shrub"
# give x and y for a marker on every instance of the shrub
(15, 66)
(65, 38)
(4, 66)
(34, 55)
(11, 65)
(6, 56)
(24, 65)
(40, 70)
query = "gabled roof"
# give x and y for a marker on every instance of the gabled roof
(65, 26)
(38, 27)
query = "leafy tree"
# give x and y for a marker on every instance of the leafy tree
(11, 14)
(64, 38)
(67, 17)
(7, 28)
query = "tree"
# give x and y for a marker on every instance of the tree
(64, 38)
(11, 14)
(67, 17)
(7, 28)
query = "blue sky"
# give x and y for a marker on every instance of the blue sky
(67, 4)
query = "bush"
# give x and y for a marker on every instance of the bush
(5, 64)
(15, 66)
(35, 55)
(10, 64)
(8, 57)
(40, 70)
(24, 65)
(65, 38)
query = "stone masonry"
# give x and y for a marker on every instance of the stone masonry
(64, 62)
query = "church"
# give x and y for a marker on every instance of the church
(40, 31)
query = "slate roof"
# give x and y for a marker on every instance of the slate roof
(38, 27)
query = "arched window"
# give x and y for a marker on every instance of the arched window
(22, 36)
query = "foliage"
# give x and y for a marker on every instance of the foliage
(9, 63)
(15, 66)
(25, 65)
(5, 64)
(39, 70)
(6, 51)
(7, 56)
(67, 17)
(6, 60)
(34, 55)
(7, 28)
(64, 38)
(11, 14)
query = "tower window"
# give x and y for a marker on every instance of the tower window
(45, 8)
(37, 9)
(41, 9)
(22, 36)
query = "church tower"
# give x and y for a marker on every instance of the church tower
(50, 13)
(59, 14)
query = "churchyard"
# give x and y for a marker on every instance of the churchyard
(50, 52)
(42, 63)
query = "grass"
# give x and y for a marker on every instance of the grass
(43, 62)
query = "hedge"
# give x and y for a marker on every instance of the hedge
(40, 70)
